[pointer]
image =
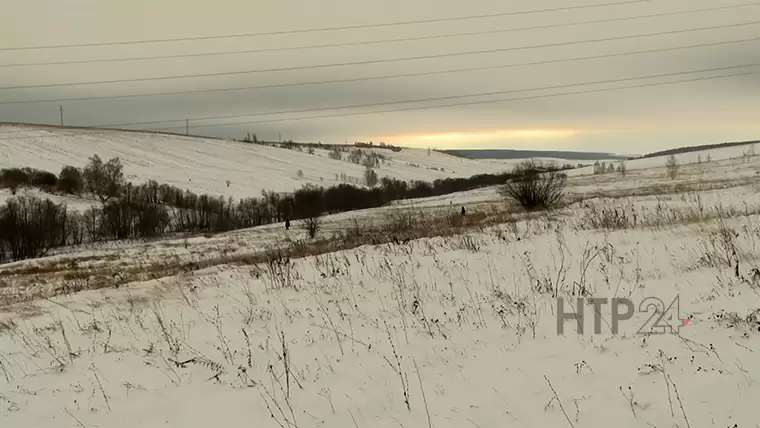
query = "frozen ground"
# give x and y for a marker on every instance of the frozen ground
(451, 331)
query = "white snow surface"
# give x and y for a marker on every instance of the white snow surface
(204, 165)
(457, 331)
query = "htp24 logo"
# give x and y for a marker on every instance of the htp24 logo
(663, 319)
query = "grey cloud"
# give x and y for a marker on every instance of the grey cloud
(638, 112)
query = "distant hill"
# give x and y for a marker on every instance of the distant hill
(690, 149)
(527, 154)
(222, 167)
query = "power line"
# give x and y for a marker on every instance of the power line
(372, 42)
(418, 100)
(378, 61)
(421, 108)
(315, 30)
(101, 131)
(476, 102)
(393, 76)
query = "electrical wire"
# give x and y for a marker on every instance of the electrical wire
(315, 30)
(392, 76)
(419, 100)
(478, 102)
(372, 42)
(459, 104)
(378, 61)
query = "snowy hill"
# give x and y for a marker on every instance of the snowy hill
(693, 158)
(456, 327)
(204, 165)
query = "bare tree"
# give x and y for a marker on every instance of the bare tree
(370, 177)
(672, 166)
(312, 225)
(104, 180)
(70, 180)
(335, 153)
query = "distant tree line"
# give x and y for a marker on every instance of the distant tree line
(31, 226)
(703, 147)
(291, 145)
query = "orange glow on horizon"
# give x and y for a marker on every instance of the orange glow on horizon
(466, 138)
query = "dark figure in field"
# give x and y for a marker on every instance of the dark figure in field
(463, 212)
(287, 224)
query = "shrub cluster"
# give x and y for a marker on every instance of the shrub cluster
(534, 187)
(14, 178)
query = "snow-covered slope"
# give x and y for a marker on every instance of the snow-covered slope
(204, 165)
(695, 158)
(451, 331)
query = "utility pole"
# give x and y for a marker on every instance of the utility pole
(61, 114)
(279, 137)
(187, 126)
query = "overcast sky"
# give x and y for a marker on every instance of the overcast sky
(629, 121)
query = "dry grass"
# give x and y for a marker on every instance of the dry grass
(70, 274)
(399, 227)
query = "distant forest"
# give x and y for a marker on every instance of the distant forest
(527, 154)
(690, 149)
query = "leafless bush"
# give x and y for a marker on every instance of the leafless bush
(312, 225)
(608, 216)
(534, 187)
(75, 228)
(672, 167)
(280, 268)
(400, 222)
(93, 220)
(622, 168)
(335, 153)
(30, 227)
(370, 177)
(720, 248)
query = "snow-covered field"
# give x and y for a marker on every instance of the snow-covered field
(456, 330)
(204, 165)
(692, 158)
